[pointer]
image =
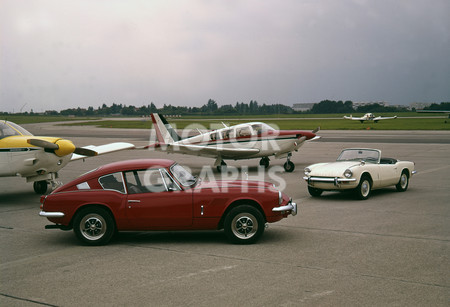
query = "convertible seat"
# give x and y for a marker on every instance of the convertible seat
(388, 161)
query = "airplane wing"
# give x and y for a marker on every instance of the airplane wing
(381, 118)
(210, 151)
(102, 149)
(353, 118)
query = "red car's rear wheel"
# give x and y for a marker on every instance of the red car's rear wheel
(94, 226)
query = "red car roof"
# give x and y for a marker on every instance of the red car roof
(134, 164)
(118, 167)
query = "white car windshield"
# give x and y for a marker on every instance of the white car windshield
(183, 176)
(368, 155)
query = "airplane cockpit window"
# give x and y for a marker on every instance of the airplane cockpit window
(243, 131)
(260, 128)
(226, 134)
(11, 129)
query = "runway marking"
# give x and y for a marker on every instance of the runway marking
(271, 262)
(212, 270)
(364, 233)
(317, 295)
(26, 300)
(432, 170)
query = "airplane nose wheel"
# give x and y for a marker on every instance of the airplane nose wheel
(264, 162)
(289, 166)
(222, 167)
(40, 187)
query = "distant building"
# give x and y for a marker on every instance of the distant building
(365, 103)
(301, 107)
(419, 105)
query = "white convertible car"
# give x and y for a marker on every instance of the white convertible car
(361, 170)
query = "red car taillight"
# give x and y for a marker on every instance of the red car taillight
(43, 197)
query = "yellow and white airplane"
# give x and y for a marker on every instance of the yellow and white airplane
(39, 159)
(368, 116)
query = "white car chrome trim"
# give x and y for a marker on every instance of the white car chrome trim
(334, 180)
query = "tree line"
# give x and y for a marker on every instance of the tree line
(240, 108)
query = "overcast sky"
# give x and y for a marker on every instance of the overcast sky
(58, 54)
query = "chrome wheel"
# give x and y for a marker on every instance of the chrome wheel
(365, 188)
(403, 181)
(93, 226)
(402, 184)
(244, 225)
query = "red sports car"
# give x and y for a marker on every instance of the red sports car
(160, 194)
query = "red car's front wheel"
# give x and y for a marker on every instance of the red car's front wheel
(244, 225)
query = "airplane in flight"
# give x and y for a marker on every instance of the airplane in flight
(368, 116)
(39, 159)
(242, 141)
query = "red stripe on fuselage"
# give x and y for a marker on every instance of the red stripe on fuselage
(282, 134)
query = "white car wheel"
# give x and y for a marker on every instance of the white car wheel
(403, 183)
(364, 188)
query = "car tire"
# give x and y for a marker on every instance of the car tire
(314, 192)
(403, 183)
(94, 226)
(364, 188)
(244, 225)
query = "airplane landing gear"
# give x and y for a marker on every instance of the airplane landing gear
(222, 167)
(40, 187)
(289, 166)
(264, 162)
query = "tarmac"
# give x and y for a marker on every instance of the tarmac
(392, 249)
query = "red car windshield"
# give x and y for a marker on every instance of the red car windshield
(183, 176)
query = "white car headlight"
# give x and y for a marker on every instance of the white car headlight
(348, 173)
(307, 170)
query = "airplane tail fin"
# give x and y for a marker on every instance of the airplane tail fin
(164, 131)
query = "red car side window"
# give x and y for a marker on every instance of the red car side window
(112, 182)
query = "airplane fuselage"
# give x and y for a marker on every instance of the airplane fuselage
(267, 141)
(30, 162)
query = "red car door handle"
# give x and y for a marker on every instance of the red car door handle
(134, 201)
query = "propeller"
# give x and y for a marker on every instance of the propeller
(43, 144)
(316, 130)
(64, 147)
(85, 152)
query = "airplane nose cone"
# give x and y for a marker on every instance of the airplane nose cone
(66, 147)
(308, 135)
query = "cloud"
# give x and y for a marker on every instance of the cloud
(60, 54)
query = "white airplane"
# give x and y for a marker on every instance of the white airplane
(243, 141)
(39, 159)
(368, 116)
